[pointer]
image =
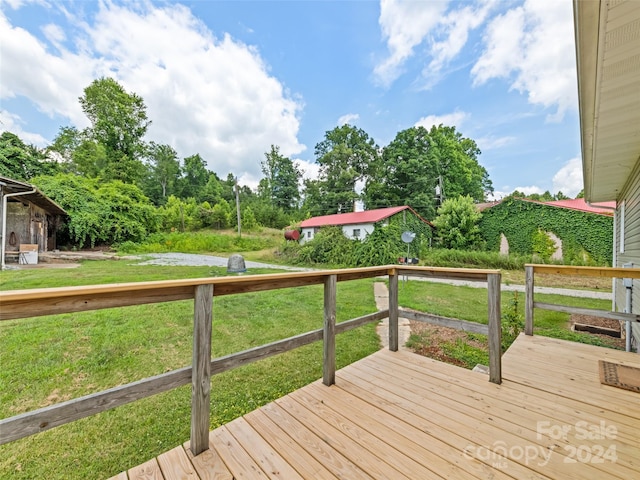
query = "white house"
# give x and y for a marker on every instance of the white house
(608, 60)
(354, 224)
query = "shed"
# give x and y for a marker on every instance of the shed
(29, 217)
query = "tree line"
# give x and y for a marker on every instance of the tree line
(116, 186)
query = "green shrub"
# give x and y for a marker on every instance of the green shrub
(329, 246)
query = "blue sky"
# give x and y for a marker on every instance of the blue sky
(227, 79)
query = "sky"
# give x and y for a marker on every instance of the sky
(228, 79)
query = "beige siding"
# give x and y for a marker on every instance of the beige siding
(628, 224)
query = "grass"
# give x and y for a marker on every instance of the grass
(50, 359)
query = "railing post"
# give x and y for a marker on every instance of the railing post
(495, 329)
(329, 334)
(528, 300)
(393, 312)
(201, 369)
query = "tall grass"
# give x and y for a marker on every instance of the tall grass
(198, 242)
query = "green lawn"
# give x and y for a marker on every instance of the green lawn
(46, 360)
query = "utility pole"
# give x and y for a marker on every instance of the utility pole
(238, 208)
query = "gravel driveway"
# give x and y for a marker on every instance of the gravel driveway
(197, 260)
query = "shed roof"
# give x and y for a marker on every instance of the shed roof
(38, 198)
(352, 218)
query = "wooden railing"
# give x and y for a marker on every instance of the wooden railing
(37, 302)
(531, 304)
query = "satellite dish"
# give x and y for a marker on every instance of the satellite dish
(407, 237)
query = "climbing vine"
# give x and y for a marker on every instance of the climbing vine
(587, 238)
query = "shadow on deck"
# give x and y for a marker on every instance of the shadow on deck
(397, 415)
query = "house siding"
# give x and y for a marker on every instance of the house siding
(365, 229)
(628, 224)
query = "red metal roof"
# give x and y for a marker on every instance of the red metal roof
(351, 218)
(580, 204)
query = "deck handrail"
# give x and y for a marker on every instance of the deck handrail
(16, 304)
(530, 271)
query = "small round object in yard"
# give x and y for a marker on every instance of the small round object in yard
(236, 264)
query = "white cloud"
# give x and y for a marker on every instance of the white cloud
(348, 119)
(310, 170)
(454, 31)
(455, 119)
(13, 123)
(533, 47)
(568, 179)
(491, 142)
(52, 83)
(405, 25)
(207, 95)
(54, 34)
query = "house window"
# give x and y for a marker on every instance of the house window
(356, 232)
(622, 227)
(308, 234)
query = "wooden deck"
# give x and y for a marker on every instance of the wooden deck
(397, 415)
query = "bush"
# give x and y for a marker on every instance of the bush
(329, 246)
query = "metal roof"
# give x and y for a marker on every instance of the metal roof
(37, 198)
(604, 208)
(608, 59)
(352, 218)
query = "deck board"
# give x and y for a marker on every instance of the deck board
(402, 416)
(175, 465)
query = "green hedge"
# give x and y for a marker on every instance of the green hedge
(587, 238)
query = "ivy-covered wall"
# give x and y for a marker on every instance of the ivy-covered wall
(581, 232)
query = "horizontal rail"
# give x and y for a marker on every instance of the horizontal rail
(445, 321)
(29, 423)
(473, 275)
(588, 311)
(50, 301)
(36, 421)
(606, 272)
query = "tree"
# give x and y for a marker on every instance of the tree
(100, 212)
(23, 162)
(417, 161)
(212, 191)
(345, 157)
(281, 181)
(221, 214)
(195, 177)
(457, 224)
(118, 123)
(163, 172)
